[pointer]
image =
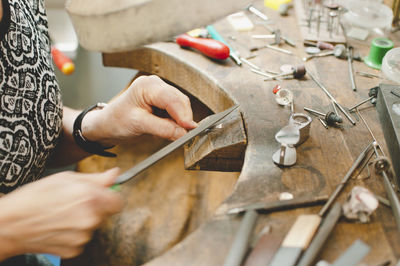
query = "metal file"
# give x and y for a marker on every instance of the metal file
(155, 157)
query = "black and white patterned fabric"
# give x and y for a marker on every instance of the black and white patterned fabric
(30, 100)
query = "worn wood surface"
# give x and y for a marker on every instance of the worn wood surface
(321, 163)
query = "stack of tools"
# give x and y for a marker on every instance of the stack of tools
(319, 21)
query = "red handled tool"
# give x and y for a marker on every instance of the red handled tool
(209, 47)
(63, 62)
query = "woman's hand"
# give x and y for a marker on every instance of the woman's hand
(56, 214)
(131, 114)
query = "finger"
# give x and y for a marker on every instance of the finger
(71, 237)
(177, 104)
(111, 203)
(104, 179)
(63, 251)
(105, 200)
(161, 127)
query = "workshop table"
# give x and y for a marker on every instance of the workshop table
(322, 160)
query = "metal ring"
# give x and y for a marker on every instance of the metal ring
(381, 164)
(302, 122)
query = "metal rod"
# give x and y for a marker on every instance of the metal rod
(285, 38)
(345, 113)
(263, 36)
(318, 24)
(278, 49)
(234, 55)
(350, 50)
(241, 242)
(382, 200)
(321, 236)
(292, 107)
(334, 108)
(394, 200)
(360, 103)
(368, 128)
(260, 73)
(331, 97)
(289, 41)
(257, 12)
(321, 86)
(323, 123)
(326, 53)
(250, 64)
(341, 185)
(314, 111)
(279, 76)
(364, 165)
(368, 75)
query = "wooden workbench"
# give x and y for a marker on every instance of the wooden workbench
(178, 217)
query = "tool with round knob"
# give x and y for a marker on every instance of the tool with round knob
(330, 117)
(298, 72)
(373, 93)
(339, 51)
(331, 97)
(381, 164)
(320, 44)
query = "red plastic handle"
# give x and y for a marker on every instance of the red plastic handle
(209, 47)
(62, 61)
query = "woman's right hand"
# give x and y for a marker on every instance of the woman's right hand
(56, 214)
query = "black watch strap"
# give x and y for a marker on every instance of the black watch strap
(84, 144)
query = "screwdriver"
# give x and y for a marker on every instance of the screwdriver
(209, 47)
(216, 36)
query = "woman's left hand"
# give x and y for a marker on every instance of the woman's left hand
(131, 114)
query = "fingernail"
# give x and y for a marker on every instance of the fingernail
(179, 132)
(194, 124)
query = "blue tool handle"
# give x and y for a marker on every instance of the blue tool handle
(215, 35)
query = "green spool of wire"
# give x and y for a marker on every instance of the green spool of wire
(379, 48)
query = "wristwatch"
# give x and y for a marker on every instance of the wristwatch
(86, 145)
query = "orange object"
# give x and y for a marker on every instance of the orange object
(63, 62)
(276, 89)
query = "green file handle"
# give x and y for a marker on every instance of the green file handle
(216, 36)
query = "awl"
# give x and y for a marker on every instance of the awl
(155, 157)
